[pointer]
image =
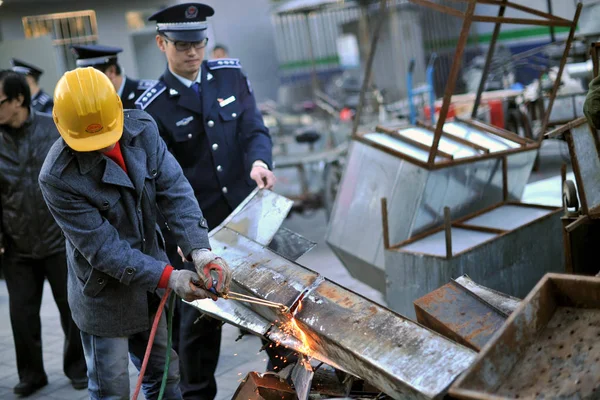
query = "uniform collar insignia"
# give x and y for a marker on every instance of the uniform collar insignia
(173, 92)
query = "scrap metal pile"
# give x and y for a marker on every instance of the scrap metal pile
(472, 341)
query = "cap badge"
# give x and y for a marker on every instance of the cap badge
(191, 12)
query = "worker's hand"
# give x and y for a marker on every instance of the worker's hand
(187, 286)
(264, 178)
(206, 262)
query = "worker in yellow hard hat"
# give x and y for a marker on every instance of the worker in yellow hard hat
(102, 183)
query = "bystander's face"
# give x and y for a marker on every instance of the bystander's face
(9, 109)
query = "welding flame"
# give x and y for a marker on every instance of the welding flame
(291, 328)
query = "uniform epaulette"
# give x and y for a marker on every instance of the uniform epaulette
(150, 94)
(146, 84)
(44, 98)
(223, 63)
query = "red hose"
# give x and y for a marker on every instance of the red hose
(163, 301)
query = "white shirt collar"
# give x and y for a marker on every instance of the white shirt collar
(186, 81)
(120, 91)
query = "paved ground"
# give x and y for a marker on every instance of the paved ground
(237, 357)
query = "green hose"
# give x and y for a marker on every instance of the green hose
(169, 344)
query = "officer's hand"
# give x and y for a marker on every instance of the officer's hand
(264, 178)
(186, 285)
(205, 262)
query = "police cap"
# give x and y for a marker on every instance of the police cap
(183, 22)
(24, 68)
(93, 54)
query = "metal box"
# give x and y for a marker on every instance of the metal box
(465, 312)
(476, 167)
(547, 349)
(508, 247)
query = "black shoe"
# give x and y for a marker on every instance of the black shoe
(27, 388)
(79, 384)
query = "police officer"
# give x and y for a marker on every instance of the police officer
(40, 100)
(104, 58)
(207, 115)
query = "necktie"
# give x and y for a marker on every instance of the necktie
(196, 87)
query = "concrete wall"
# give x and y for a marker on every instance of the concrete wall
(246, 30)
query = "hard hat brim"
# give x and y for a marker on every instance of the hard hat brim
(96, 143)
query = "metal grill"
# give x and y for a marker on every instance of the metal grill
(66, 29)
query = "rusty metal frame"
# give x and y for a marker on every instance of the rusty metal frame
(469, 17)
(459, 223)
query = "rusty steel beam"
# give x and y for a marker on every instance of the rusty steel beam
(328, 322)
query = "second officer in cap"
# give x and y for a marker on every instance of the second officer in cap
(40, 100)
(104, 58)
(207, 115)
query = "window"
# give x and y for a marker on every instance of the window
(66, 29)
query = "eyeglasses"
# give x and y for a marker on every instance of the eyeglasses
(185, 46)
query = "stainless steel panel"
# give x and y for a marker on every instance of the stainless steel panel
(356, 227)
(511, 263)
(435, 244)
(508, 217)
(505, 303)
(398, 145)
(492, 142)
(259, 216)
(425, 136)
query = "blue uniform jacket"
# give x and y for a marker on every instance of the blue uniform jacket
(132, 89)
(215, 136)
(42, 102)
(115, 251)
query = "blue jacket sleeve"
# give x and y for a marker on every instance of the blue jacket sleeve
(253, 133)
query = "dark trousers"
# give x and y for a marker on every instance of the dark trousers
(197, 341)
(25, 282)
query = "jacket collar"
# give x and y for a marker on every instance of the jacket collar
(88, 160)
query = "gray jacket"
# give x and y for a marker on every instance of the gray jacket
(115, 250)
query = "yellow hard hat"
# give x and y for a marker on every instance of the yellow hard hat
(87, 110)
